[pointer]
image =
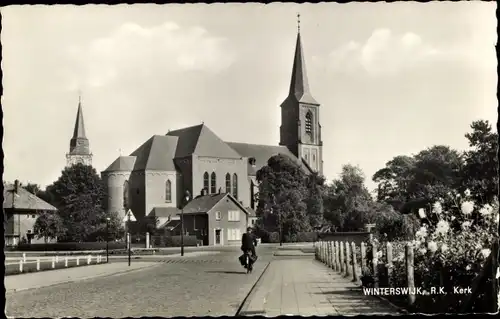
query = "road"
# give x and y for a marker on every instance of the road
(213, 285)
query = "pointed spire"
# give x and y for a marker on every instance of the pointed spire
(299, 86)
(79, 131)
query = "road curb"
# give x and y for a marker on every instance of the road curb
(244, 305)
(81, 279)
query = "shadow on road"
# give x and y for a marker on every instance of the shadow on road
(225, 272)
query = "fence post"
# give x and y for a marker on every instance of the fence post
(38, 264)
(24, 257)
(66, 261)
(147, 239)
(323, 246)
(20, 265)
(354, 262)
(389, 263)
(337, 245)
(78, 261)
(53, 262)
(363, 257)
(89, 258)
(347, 260)
(57, 259)
(409, 273)
(330, 251)
(342, 262)
(332, 255)
(375, 264)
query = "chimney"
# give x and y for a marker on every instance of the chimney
(16, 186)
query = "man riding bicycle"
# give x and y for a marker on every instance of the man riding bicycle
(248, 243)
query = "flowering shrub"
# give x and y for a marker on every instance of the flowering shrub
(450, 248)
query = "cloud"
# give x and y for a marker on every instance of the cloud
(383, 53)
(136, 51)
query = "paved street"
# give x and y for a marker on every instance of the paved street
(215, 287)
(198, 284)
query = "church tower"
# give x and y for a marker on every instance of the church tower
(300, 129)
(79, 149)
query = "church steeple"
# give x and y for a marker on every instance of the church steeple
(299, 86)
(300, 129)
(79, 147)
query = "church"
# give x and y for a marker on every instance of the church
(153, 179)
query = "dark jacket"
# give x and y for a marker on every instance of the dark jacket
(248, 241)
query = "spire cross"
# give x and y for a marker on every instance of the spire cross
(298, 22)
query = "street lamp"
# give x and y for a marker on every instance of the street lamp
(107, 239)
(186, 198)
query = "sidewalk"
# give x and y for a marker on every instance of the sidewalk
(52, 277)
(308, 288)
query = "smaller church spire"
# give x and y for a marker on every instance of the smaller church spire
(298, 22)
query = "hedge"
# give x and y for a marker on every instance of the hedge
(70, 246)
(302, 237)
(174, 241)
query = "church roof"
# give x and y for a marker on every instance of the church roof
(156, 154)
(23, 200)
(299, 85)
(261, 153)
(200, 140)
(122, 163)
(79, 131)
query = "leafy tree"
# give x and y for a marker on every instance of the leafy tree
(49, 226)
(78, 194)
(115, 229)
(282, 195)
(480, 173)
(32, 188)
(348, 204)
(394, 178)
(315, 185)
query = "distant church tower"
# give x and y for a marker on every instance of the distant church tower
(79, 149)
(300, 129)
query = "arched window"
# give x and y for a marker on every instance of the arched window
(125, 195)
(235, 185)
(228, 183)
(206, 181)
(309, 120)
(168, 191)
(213, 183)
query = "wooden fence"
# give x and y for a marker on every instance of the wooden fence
(356, 261)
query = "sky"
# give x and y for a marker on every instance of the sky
(392, 78)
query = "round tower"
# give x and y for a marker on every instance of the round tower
(115, 184)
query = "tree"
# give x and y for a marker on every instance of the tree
(49, 226)
(348, 204)
(78, 194)
(315, 185)
(394, 178)
(480, 173)
(282, 195)
(32, 188)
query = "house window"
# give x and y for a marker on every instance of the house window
(314, 158)
(228, 183)
(235, 185)
(233, 234)
(234, 216)
(309, 117)
(168, 191)
(206, 181)
(218, 216)
(125, 195)
(213, 183)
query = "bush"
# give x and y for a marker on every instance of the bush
(70, 246)
(174, 241)
(302, 237)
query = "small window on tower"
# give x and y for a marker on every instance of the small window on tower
(309, 122)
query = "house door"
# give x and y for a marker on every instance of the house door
(217, 236)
